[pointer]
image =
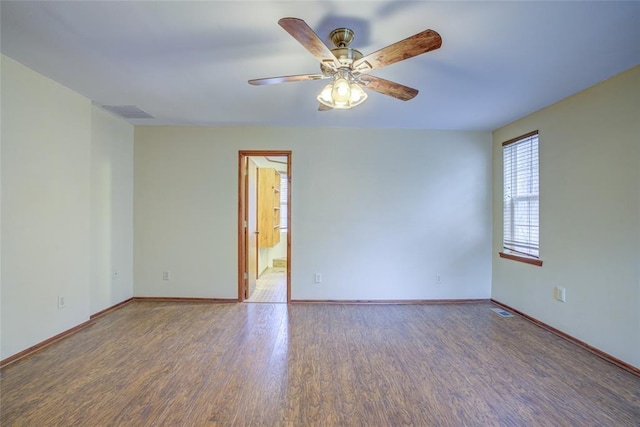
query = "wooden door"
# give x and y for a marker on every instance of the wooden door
(252, 226)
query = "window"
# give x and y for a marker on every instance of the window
(284, 191)
(521, 238)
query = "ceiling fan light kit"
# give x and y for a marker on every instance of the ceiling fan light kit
(343, 93)
(349, 68)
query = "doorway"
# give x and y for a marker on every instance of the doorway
(264, 226)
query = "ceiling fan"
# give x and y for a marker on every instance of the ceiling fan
(349, 68)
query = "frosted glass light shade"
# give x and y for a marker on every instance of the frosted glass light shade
(342, 94)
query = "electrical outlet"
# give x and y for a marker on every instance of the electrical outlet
(61, 302)
(166, 275)
(317, 278)
(114, 274)
(438, 279)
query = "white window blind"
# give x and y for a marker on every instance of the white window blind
(284, 191)
(522, 196)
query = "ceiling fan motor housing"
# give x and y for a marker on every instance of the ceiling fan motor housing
(341, 39)
(345, 55)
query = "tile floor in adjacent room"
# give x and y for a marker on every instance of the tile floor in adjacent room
(271, 286)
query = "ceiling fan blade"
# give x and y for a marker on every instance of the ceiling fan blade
(389, 88)
(415, 45)
(310, 40)
(285, 79)
(322, 107)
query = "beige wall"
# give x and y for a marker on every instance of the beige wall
(589, 218)
(111, 210)
(377, 212)
(49, 193)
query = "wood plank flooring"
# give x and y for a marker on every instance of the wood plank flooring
(207, 364)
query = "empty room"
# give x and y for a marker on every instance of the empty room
(292, 213)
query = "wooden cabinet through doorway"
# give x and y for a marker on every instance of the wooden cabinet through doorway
(268, 207)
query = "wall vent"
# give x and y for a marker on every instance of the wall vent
(128, 111)
(502, 312)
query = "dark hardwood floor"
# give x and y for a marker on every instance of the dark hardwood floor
(201, 364)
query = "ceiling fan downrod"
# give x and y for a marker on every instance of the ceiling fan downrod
(341, 37)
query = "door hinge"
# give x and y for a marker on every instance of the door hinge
(245, 224)
(246, 275)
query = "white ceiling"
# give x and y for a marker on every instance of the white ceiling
(187, 63)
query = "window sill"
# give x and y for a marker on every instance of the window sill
(520, 258)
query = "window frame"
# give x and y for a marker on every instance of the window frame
(513, 254)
